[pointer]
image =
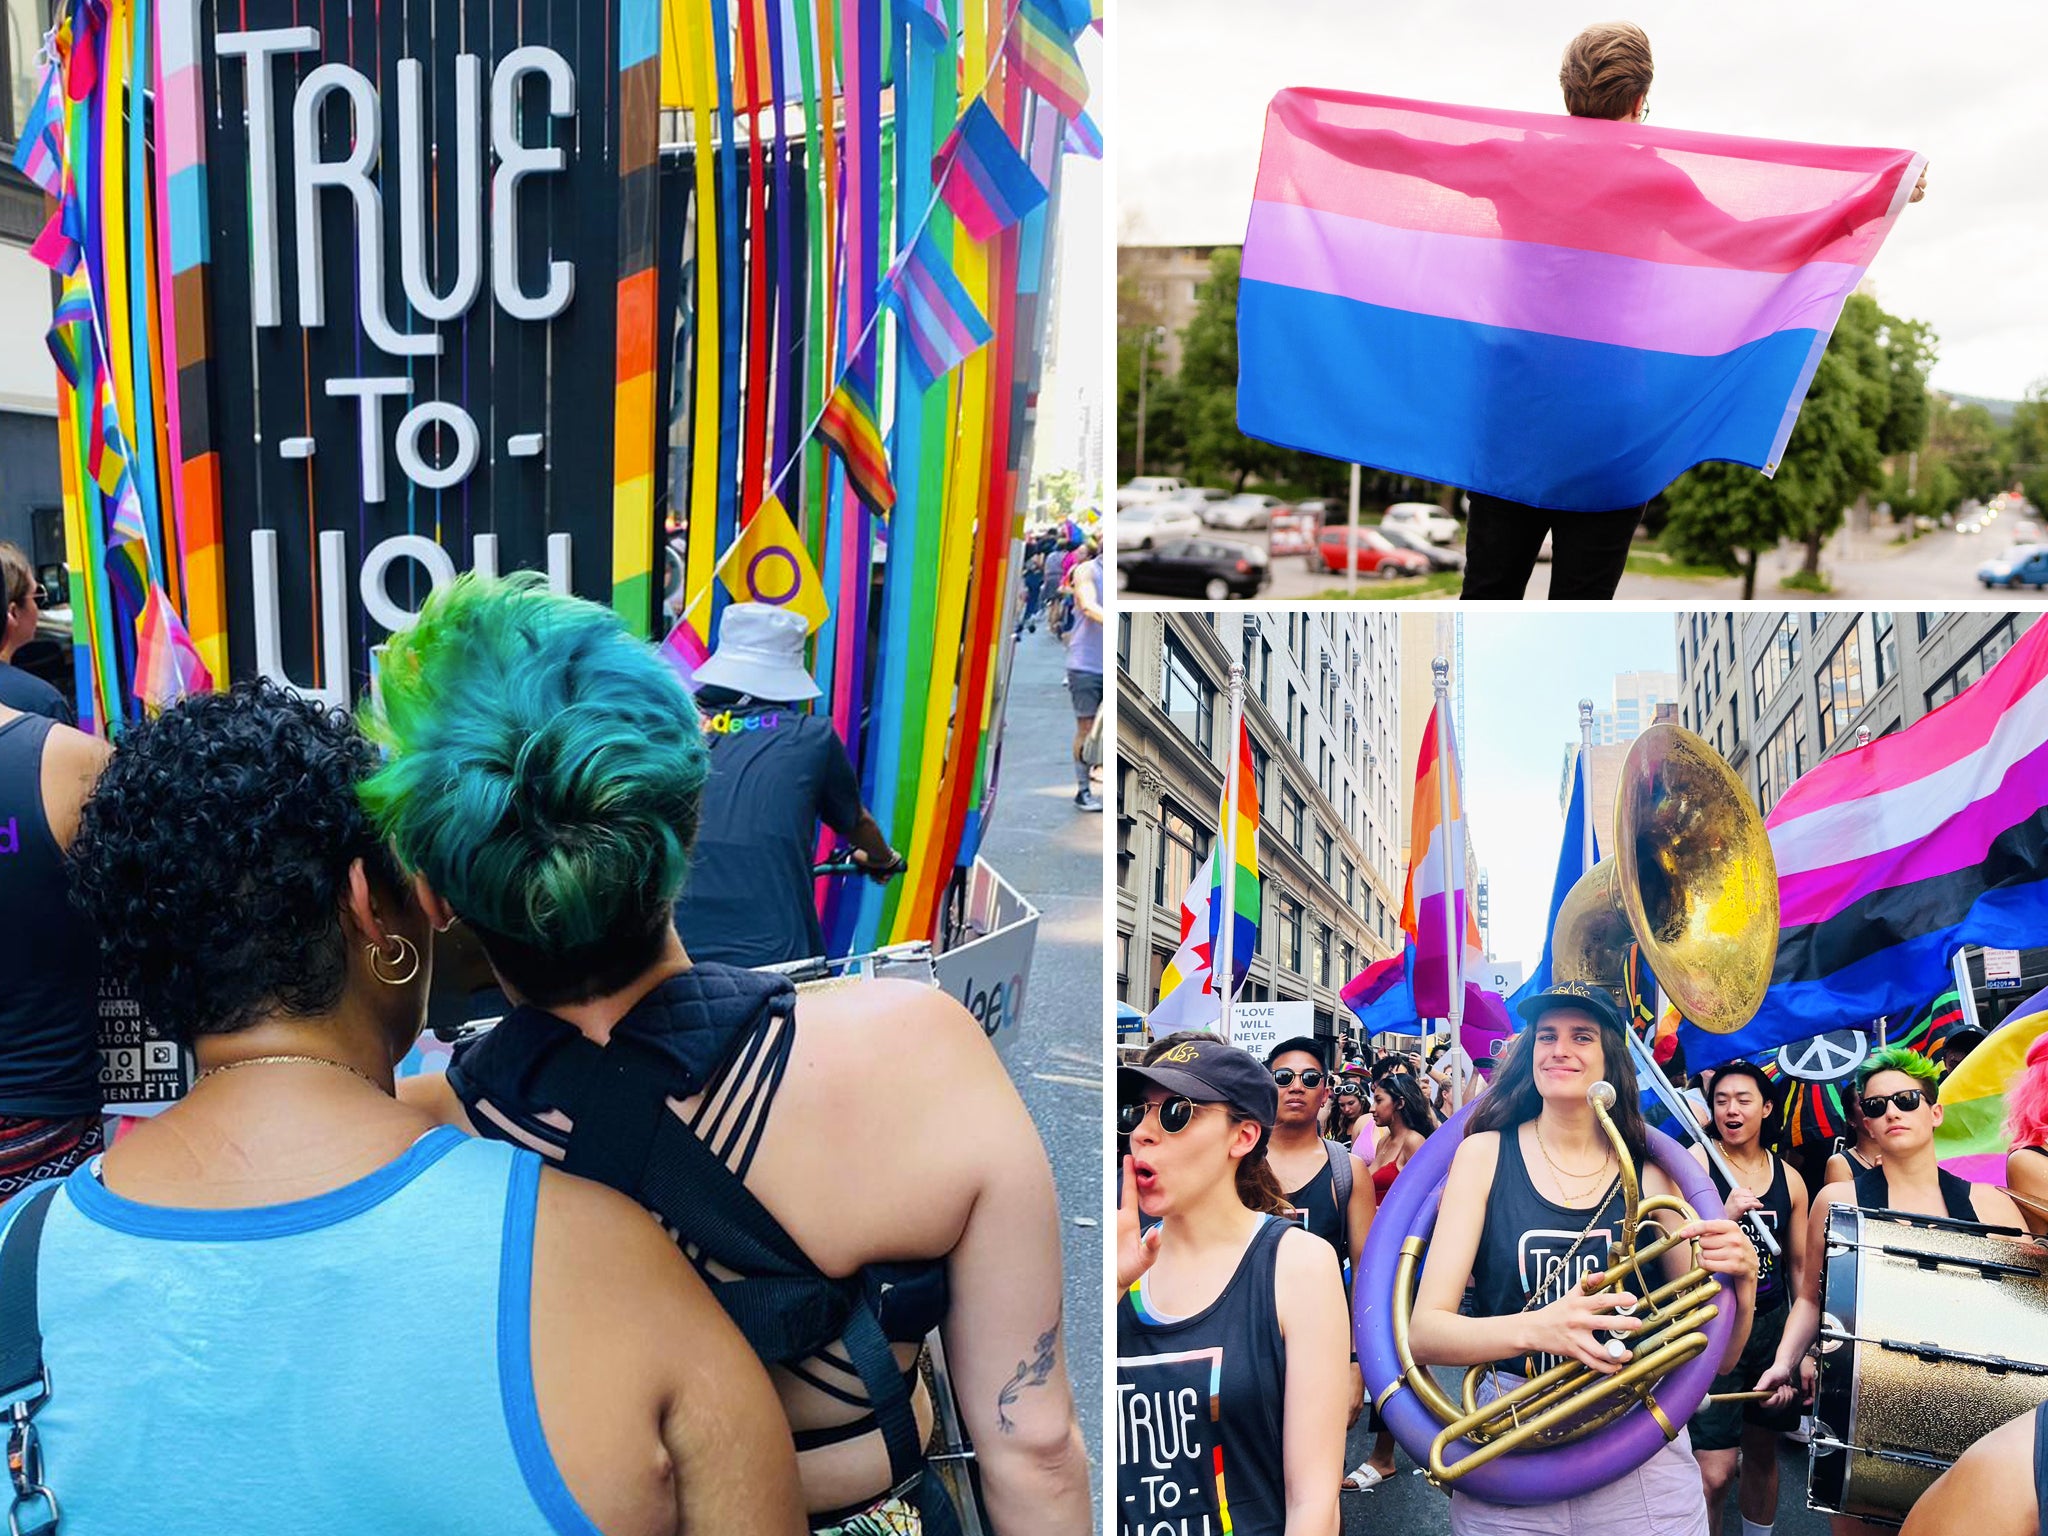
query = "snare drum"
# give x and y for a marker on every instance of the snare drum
(1933, 1333)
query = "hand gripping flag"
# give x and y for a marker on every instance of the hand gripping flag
(848, 427)
(767, 564)
(1894, 855)
(1563, 311)
(1044, 57)
(987, 184)
(1187, 994)
(1243, 901)
(1424, 897)
(941, 326)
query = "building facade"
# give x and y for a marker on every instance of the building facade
(1323, 710)
(1161, 285)
(1637, 697)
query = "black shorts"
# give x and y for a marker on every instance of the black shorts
(1718, 1426)
(1086, 688)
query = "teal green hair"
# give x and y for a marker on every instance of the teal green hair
(1899, 1058)
(543, 768)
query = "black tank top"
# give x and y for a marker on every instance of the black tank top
(49, 954)
(1527, 1247)
(1198, 1408)
(1874, 1193)
(1318, 1197)
(1776, 1217)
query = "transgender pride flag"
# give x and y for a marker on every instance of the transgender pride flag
(1424, 897)
(1563, 311)
(1893, 856)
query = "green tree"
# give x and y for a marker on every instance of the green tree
(1858, 407)
(2027, 444)
(1968, 439)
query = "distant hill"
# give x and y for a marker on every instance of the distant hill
(2001, 410)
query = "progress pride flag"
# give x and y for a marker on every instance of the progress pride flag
(1559, 310)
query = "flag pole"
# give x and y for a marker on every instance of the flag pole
(1454, 946)
(1351, 561)
(1586, 777)
(1222, 962)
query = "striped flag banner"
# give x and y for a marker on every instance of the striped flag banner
(167, 664)
(70, 335)
(987, 184)
(1044, 56)
(1424, 896)
(1893, 856)
(1242, 902)
(1084, 138)
(848, 426)
(685, 650)
(39, 153)
(940, 323)
(1563, 311)
(927, 15)
(1187, 992)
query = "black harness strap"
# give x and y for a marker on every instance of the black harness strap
(24, 1381)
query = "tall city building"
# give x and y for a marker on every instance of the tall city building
(1160, 285)
(1633, 709)
(1323, 708)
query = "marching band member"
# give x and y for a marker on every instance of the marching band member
(1530, 1211)
(1897, 1090)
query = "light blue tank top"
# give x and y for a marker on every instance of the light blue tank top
(357, 1362)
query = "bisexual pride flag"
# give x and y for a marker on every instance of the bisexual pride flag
(1563, 311)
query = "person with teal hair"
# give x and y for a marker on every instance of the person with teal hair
(848, 1170)
(1899, 1092)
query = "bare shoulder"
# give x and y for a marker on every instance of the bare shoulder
(1995, 1207)
(1841, 1192)
(866, 1027)
(1988, 1492)
(1477, 1157)
(72, 764)
(430, 1093)
(1697, 1153)
(1302, 1257)
(617, 1250)
(1795, 1182)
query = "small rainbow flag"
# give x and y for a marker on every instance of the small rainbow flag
(1242, 900)
(848, 428)
(167, 664)
(1043, 53)
(70, 336)
(987, 184)
(940, 323)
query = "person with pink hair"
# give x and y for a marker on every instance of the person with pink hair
(2026, 1124)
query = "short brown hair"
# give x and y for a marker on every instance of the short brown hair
(17, 576)
(1606, 70)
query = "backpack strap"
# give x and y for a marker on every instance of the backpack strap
(24, 1379)
(1340, 1176)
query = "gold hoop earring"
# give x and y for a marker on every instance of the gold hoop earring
(408, 956)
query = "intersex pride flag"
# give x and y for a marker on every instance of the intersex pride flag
(1894, 855)
(1563, 311)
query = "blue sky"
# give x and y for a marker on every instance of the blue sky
(1524, 677)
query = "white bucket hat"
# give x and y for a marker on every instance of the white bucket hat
(760, 652)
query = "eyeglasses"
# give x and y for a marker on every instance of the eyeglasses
(1906, 1099)
(1175, 1115)
(1310, 1077)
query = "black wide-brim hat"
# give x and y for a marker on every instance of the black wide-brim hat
(1582, 995)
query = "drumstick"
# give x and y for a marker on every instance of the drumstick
(1647, 1073)
(1737, 1397)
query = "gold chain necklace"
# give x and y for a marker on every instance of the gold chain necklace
(1561, 1174)
(257, 1061)
(1737, 1168)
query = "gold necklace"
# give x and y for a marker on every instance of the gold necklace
(1736, 1167)
(1540, 1147)
(257, 1061)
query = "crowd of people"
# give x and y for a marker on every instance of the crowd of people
(1062, 571)
(659, 1250)
(1248, 1188)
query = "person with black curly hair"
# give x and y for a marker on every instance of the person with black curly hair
(49, 1005)
(367, 1321)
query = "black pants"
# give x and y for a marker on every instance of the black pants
(1588, 550)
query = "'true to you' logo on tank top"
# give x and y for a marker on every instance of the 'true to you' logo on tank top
(1169, 1445)
(1550, 1267)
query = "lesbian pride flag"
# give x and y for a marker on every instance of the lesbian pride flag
(1424, 896)
(1892, 856)
(1562, 311)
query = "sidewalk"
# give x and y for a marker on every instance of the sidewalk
(1053, 854)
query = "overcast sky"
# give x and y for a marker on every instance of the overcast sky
(1960, 83)
(1524, 677)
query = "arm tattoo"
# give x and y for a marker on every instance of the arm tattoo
(1030, 1373)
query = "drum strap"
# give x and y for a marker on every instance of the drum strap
(2041, 1467)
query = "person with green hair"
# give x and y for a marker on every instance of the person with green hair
(847, 1170)
(1899, 1092)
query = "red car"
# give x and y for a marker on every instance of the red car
(1373, 553)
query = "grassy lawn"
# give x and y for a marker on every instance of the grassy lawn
(1435, 584)
(1651, 561)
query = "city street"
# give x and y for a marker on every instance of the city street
(1052, 853)
(1405, 1504)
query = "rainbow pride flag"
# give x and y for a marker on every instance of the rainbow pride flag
(1894, 855)
(1242, 900)
(1971, 1140)
(167, 664)
(1043, 54)
(1563, 311)
(847, 426)
(1424, 896)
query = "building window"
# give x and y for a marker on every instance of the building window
(22, 24)
(1349, 882)
(1319, 955)
(1123, 638)
(1323, 853)
(1885, 632)
(1926, 623)
(1841, 688)
(1187, 695)
(1290, 933)
(1290, 815)
(1183, 844)
(1981, 659)
(1347, 969)
(1781, 760)
(1260, 759)
(1161, 959)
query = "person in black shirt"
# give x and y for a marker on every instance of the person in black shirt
(777, 771)
(18, 689)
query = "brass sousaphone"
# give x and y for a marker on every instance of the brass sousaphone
(1692, 884)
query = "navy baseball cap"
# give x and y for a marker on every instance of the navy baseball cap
(1581, 995)
(1208, 1072)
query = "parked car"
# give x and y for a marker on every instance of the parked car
(1440, 557)
(2026, 566)
(1247, 509)
(1147, 488)
(1970, 525)
(1371, 551)
(1210, 568)
(1196, 498)
(1293, 531)
(1140, 526)
(1425, 517)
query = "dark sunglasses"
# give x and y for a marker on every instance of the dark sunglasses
(1310, 1078)
(1906, 1099)
(1175, 1115)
